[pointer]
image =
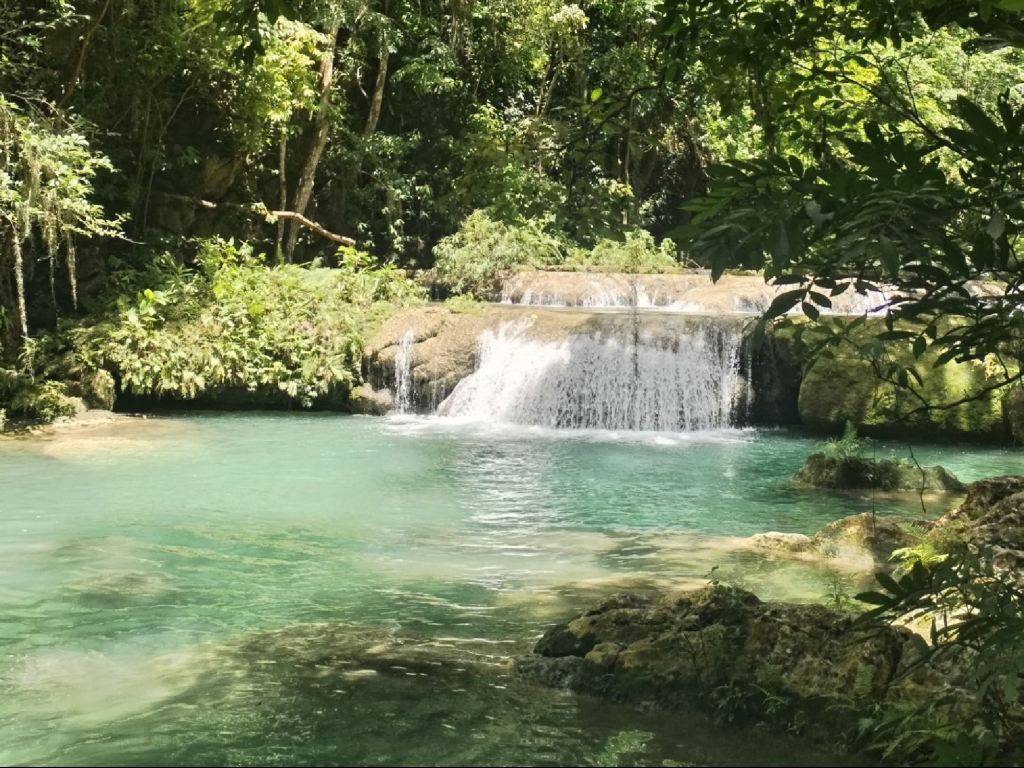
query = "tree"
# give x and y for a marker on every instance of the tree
(929, 203)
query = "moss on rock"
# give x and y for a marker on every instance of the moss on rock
(858, 473)
(695, 648)
(845, 388)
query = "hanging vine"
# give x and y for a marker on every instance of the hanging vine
(46, 184)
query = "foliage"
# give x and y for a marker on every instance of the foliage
(933, 545)
(464, 304)
(46, 185)
(849, 446)
(290, 332)
(624, 745)
(977, 627)
(838, 597)
(914, 200)
(638, 254)
(33, 398)
(474, 260)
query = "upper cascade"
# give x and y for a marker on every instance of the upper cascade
(621, 376)
(692, 292)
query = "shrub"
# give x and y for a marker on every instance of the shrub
(33, 398)
(475, 259)
(638, 254)
(236, 323)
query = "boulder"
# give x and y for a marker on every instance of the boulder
(788, 543)
(693, 648)
(991, 518)
(857, 473)
(96, 388)
(371, 402)
(845, 388)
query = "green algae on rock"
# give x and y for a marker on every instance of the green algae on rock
(845, 388)
(858, 473)
(692, 649)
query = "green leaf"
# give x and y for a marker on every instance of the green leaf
(920, 346)
(595, 95)
(889, 584)
(783, 303)
(874, 598)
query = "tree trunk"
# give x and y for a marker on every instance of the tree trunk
(282, 180)
(321, 127)
(377, 101)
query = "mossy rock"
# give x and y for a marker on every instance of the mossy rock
(857, 473)
(1013, 407)
(844, 388)
(685, 650)
(96, 388)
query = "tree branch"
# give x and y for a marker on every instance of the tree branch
(298, 218)
(261, 209)
(81, 56)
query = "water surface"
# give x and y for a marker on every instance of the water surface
(158, 581)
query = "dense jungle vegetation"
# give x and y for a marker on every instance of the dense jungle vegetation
(163, 161)
(202, 196)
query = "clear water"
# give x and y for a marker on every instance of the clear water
(267, 589)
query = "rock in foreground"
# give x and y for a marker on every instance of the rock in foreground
(721, 646)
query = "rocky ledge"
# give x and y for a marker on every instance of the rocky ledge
(991, 519)
(721, 647)
(856, 473)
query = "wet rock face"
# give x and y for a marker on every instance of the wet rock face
(856, 473)
(845, 388)
(681, 650)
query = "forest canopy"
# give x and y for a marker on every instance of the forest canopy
(826, 144)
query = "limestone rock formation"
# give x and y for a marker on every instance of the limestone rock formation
(687, 649)
(991, 518)
(856, 473)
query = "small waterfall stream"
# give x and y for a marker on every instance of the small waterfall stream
(687, 377)
(403, 373)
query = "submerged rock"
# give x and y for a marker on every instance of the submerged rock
(856, 473)
(773, 541)
(877, 536)
(863, 542)
(124, 588)
(697, 647)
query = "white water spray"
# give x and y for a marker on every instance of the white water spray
(403, 373)
(689, 381)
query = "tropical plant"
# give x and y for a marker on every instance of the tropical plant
(475, 259)
(849, 446)
(976, 613)
(289, 333)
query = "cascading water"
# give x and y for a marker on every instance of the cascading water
(403, 373)
(685, 377)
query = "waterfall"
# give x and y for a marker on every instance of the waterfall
(403, 373)
(679, 378)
